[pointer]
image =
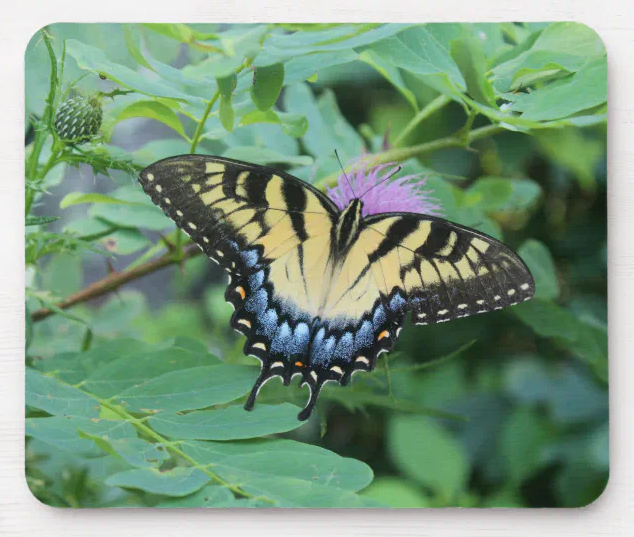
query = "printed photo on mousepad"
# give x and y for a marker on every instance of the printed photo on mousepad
(401, 226)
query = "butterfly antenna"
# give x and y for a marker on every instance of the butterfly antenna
(344, 173)
(381, 181)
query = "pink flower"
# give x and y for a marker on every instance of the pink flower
(383, 195)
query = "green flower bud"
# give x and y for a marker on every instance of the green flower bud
(78, 119)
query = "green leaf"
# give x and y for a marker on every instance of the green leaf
(423, 450)
(89, 228)
(77, 198)
(180, 32)
(159, 149)
(491, 37)
(417, 51)
(548, 319)
(334, 39)
(116, 376)
(469, 56)
(134, 451)
(125, 241)
(229, 423)
(133, 46)
(538, 259)
(391, 73)
(267, 85)
(62, 432)
(278, 469)
(522, 438)
(263, 155)
(592, 348)
(294, 125)
(189, 389)
(560, 46)
(73, 367)
(226, 85)
(502, 194)
(40, 220)
(209, 496)
(271, 458)
(96, 61)
(396, 492)
(587, 342)
(327, 128)
(237, 45)
(301, 68)
(131, 215)
(586, 89)
(52, 396)
(152, 110)
(178, 481)
(226, 114)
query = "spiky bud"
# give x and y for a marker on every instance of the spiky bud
(78, 119)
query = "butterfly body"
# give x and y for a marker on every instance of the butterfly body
(321, 292)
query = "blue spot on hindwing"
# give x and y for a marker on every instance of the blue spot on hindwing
(322, 350)
(250, 258)
(363, 337)
(397, 303)
(269, 323)
(282, 340)
(301, 338)
(379, 317)
(319, 337)
(257, 302)
(345, 348)
(256, 280)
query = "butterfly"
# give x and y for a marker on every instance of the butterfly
(321, 292)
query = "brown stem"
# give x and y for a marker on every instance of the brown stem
(115, 280)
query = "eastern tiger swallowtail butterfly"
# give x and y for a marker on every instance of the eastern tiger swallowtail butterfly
(322, 292)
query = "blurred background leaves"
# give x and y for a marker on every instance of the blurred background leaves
(134, 392)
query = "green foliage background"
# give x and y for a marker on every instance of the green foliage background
(135, 398)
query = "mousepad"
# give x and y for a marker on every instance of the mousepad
(316, 265)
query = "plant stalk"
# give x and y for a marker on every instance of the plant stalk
(405, 153)
(201, 124)
(116, 279)
(422, 115)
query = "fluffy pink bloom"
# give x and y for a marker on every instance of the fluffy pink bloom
(381, 195)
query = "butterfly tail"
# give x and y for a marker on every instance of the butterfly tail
(262, 379)
(314, 388)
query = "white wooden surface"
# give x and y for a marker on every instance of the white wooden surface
(611, 515)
